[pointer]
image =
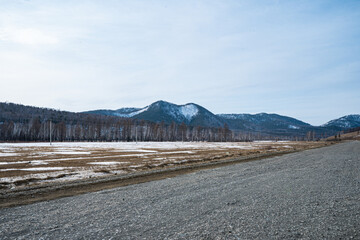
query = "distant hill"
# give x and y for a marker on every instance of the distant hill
(348, 121)
(160, 121)
(122, 112)
(195, 115)
(161, 111)
(267, 123)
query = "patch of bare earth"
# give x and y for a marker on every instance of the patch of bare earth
(22, 165)
(346, 136)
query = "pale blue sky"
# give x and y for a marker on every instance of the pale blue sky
(295, 58)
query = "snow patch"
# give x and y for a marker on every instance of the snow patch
(35, 169)
(189, 111)
(287, 146)
(10, 163)
(293, 127)
(137, 150)
(136, 166)
(2, 154)
(131, 114)
(145, 147)
(38, 162)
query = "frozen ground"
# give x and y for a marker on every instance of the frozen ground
(34, 163)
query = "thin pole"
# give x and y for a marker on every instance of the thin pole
(50, 132)
(136, 133)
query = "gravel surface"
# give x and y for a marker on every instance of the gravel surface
(314, 194)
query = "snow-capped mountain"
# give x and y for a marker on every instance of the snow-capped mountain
(162, 111)
(348, 121)
(190, 114)
(194, 115)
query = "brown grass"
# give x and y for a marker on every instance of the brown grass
(162, 158)
(347, 136)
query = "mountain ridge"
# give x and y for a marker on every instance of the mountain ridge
(195, 115)
(159, 121)
(347, 121)
(189, 113)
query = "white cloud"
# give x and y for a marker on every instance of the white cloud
(27, 36)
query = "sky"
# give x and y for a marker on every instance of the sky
(295, 58)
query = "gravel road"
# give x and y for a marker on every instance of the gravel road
(314, 194)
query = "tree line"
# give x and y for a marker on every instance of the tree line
(96, 129)
(26, 123)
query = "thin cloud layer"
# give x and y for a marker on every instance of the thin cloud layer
(230, 56)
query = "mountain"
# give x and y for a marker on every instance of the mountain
(162, 111)
(122, 112)
(263, 122)
(348, 121)
(273, 125)
(191, 114)
(23, 123)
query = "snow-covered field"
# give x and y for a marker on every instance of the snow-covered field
(34, 163)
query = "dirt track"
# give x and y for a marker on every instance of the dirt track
(313, 194)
